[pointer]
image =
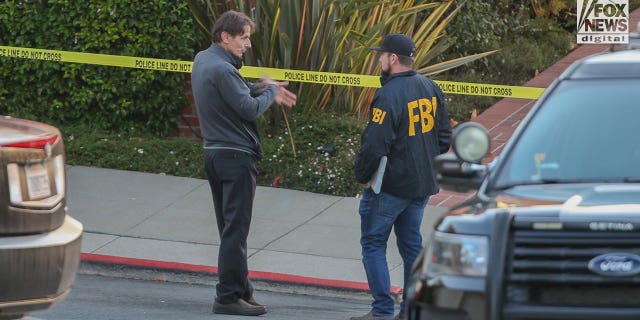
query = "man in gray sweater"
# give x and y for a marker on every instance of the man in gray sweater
(228, 106)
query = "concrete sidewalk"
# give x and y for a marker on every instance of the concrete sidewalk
(159, 221)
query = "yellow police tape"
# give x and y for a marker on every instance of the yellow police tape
(259, 72)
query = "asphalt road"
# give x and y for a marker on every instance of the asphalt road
(105, 298)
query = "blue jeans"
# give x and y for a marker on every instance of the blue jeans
(378, 214)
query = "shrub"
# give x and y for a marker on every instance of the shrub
(310, 170)
(106, 97)
(325, 149)
(526, 45)
(133, 150)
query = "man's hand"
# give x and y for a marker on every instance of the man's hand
(284, 96)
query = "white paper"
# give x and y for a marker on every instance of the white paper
(376, 179)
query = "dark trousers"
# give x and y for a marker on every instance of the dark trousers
(232, 177)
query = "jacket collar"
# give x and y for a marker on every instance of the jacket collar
(228, 57)
(385, 79)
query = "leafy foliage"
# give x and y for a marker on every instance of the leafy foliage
(135, 150)
(107, 97)
(335, 36)
(527, 44)
(327, 170)
(326, 145)
(552, 8)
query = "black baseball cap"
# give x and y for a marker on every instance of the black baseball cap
(399, 44)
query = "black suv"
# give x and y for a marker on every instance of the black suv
(553, 231)
(39, 243)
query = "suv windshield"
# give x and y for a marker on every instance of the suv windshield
(587, 130)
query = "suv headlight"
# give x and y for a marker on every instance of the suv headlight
(455, 254)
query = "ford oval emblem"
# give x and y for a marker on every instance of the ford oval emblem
(615, 264)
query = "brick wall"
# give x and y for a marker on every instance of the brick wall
(189, 125)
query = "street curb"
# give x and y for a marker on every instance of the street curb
(213, 271)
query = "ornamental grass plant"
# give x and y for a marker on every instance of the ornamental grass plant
(335, 36)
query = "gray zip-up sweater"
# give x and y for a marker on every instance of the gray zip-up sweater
(228, 105)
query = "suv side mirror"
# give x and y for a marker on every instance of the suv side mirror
(462, 171)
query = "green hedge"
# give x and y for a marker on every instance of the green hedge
(105, 97)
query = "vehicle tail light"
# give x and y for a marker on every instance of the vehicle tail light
(37, 144)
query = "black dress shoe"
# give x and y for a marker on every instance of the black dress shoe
(240, 307)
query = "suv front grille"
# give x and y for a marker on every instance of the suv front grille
(551, 268)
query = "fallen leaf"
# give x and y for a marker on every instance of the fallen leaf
(278, 180)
